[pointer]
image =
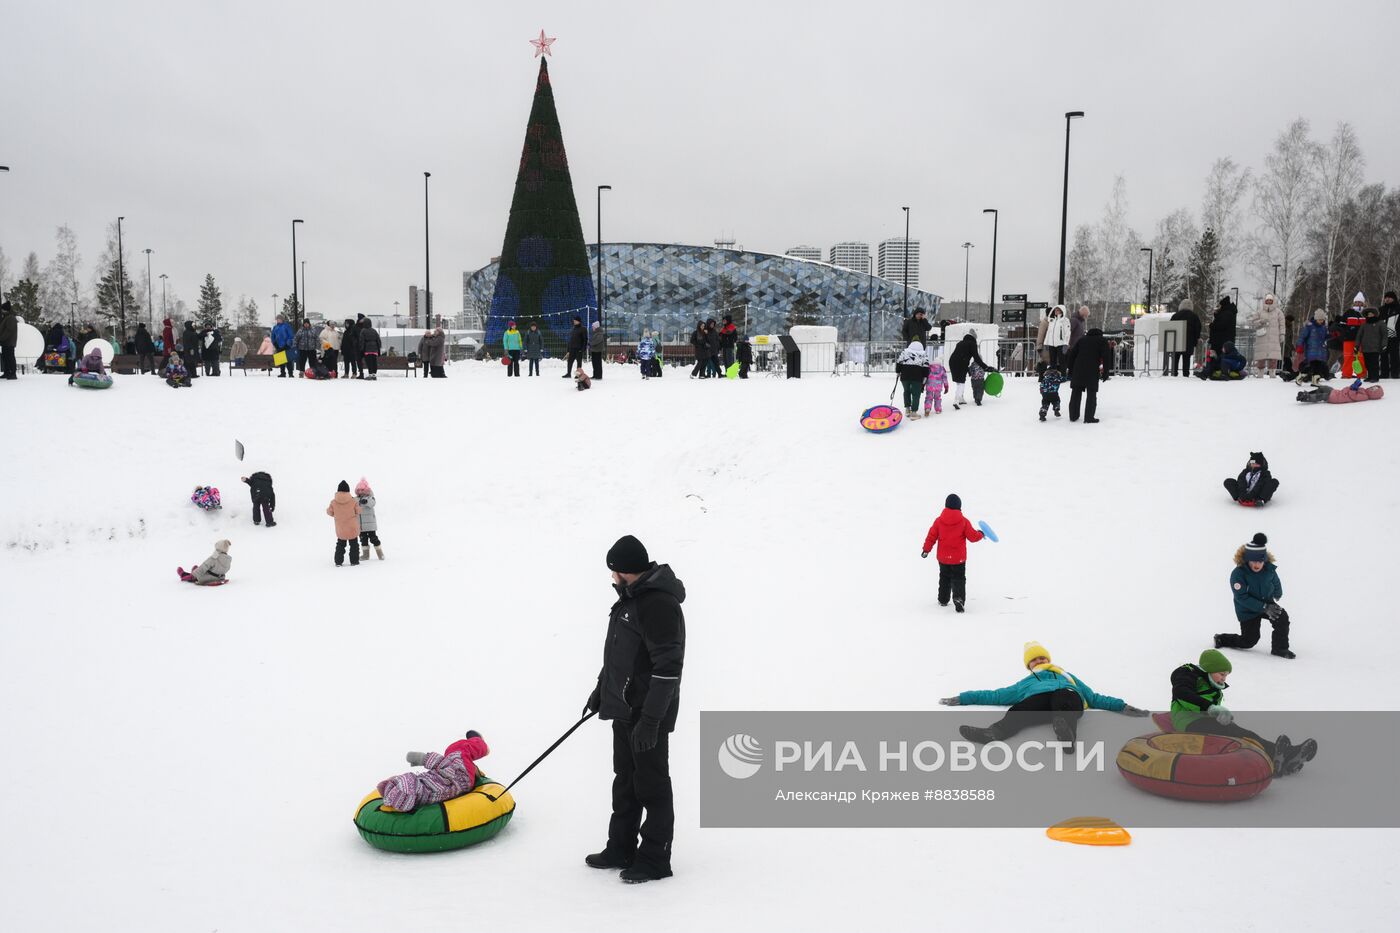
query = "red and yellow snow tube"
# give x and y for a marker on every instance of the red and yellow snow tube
(1196, 766)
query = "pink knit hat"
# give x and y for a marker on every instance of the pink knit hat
(362, 487)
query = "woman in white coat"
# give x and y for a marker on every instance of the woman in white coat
(1056, 336)
(1268, 341)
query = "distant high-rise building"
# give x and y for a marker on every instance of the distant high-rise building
(420, 305)
(805, 252)
(852, 255)
(891, 261)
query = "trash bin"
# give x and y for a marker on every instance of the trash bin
(794, 357)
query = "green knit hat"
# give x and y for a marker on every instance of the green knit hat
(1213, 662)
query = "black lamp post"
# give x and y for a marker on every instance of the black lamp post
(164, 312)
(967, 269)
(296, 301)
(992, 306)
(906, 262)
(1276, 265)
(1148, 251)
(1236, 290)
(1064, 210)
(150, 298)
(121, 282)
(303, 289)
(601, 189)
(869, 309)
(427, 259)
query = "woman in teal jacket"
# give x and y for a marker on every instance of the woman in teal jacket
(1049, 694)
(512, 344)
(1257, 589)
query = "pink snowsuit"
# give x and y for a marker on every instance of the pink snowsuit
(935, 387)
(445, 776)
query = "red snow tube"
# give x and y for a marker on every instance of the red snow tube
(1196, 766)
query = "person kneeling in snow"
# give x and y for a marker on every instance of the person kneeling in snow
(1197, 690)
(581, 380)
(1257, 590)
(1049, 693)
(451, 774)
(213, 571)
(1255, 485)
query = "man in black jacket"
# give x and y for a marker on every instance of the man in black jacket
(639, 690)
(1181, 360)
(578, 346)
(917, 327)
(1083, 363)
(1222, 326)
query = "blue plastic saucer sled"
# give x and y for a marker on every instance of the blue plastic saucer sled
(987, 530)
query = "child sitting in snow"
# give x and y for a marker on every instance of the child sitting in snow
(951, 532)
(175, 373)
(1255, 485)
(369, 525)
(1047, 694)
(213, 571)
(1257, 589)
(1050, 380)
(581, 380)
(1197, 692)
(451, 774)
(934, 388)
(207, 498)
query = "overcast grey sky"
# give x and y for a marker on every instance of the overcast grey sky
(211, 125)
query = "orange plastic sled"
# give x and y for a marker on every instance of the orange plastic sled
(1089, 831)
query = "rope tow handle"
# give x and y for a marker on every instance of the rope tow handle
(547, 752)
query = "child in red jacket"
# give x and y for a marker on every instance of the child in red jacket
(950, 532)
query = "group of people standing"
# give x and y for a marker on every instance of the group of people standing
(715, 347)
(319, 350)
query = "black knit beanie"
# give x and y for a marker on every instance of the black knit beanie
(343, 487)
(952, 502)
(628, 555)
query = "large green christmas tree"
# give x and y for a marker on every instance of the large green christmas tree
(544, 277)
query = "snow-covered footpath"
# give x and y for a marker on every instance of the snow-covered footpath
(186, 759)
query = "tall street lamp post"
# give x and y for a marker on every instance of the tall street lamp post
(150, 297)
(601, 189)
(992, 301)
(1275, 292)
(296, 300)
(164, 311)
(906, 262)
(121, 283)
(967, 269)
(1064, 209)
(427, 259)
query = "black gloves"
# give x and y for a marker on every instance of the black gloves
(644, 735)
(595, 700)
(1272, 610)
(923, 553)
(1130, 710)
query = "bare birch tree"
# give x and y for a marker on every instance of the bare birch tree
(60, 290)
(1339, 169)
(1285, 201)
(1226, 186)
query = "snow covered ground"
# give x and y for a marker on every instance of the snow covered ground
(188, 759)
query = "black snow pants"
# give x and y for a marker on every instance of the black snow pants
(1209, 726)
(1091, 403)
(1262, 492)
(340, 551)
(1249, 633)
(641, 783)
(952, 577)
(1041, 708)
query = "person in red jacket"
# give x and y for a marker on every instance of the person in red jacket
(950, 532)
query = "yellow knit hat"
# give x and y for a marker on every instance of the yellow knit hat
(1033, 650)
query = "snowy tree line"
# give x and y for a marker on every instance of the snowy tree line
(1308, 210)
(57, 293)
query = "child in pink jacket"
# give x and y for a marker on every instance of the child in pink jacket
(451, 774)
(935, 387)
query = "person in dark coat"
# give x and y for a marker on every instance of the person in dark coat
(167, 340)
(1390, 360)
(264, 497)
(638, 689)
(9, 336)
(213, 348)
(917, 327)
(962, 357)
(745, 357)
(1181, 361)
(189, 339)
(370, 345)
(577, 347)
(728, 339)
(1255, 485)
(145, 349)
(1222, 326)
(534, 349)
(1083, 362)
(350, 350)
(697, 341)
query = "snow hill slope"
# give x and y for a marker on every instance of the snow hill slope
(188, 759)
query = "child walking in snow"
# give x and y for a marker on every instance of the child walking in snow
(346, 512)
(951, 532)
(934, 388)
(1257, 589)
(264, 499)
(369, 526)
(213, 571)
(451, 774)
(978, 377)
(1197, 692)
(1048, 694)
(1050, 381)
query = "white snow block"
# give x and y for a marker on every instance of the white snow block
(987, 337)
(818, 346)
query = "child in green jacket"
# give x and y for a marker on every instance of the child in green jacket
(1197, 691)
